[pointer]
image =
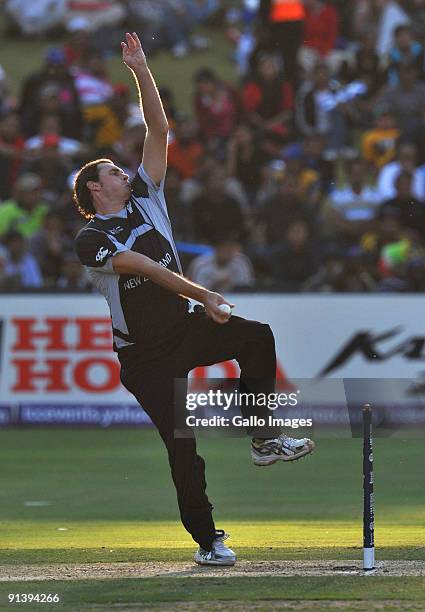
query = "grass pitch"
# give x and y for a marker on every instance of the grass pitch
(90, 496)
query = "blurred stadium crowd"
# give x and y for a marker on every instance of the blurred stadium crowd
(305, 174)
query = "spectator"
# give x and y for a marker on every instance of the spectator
(272, 175)
(406, 160)
(126, 151)
(401, 265)
(366, 66)
(179, 210)
(406, 51)
(245, 160)
(97, 13)
(73, 275)
(415, 273)
(282, 209)
(405, 277)
(226, 269)
(192, 188)
(314, 154)
(185, 149)
(321, 29)
(36, 18)
(268, 98)
(293, 262)
(48, 246)
(169, 106)
(78, 40)
(283, 21)
(215, 107)
(26, 211)
(392, 16)
(215, 212)
(64, 206)
(410, 211)
(251, 41)
(407, 100)
(49, 104)
(51, 131)
(92, 80)
(329, 276)
(342, 273)
(308, 179)
(51, 89)
(11, 152)
(379, 143)
(387, 230)
(96, 92)
(351, 207)
(363, 15)
(178, 19)
(318, 112)
(52, 168)
(21, 269)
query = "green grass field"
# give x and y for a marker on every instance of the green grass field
(108, 498)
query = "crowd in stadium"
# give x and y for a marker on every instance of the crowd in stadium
(305, 173)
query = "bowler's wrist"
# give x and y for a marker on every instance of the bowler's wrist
(140, 68)
(204, 295)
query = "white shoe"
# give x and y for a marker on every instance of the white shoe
(219, 554)
(283, 448)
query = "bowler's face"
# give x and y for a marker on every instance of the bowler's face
(114, 181)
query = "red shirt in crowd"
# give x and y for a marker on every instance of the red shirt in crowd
(321, 29)
(184, 158)
(216, 116)
(255, 99)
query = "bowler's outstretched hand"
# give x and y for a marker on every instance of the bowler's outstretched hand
(132, 52)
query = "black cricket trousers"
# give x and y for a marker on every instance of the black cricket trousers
(203, 343)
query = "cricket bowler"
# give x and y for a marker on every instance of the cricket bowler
(128, 249)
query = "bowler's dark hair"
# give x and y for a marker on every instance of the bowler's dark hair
(81, 195)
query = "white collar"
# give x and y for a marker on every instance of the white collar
(121, 213)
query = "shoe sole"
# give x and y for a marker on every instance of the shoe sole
(300, 455)
(215, 563)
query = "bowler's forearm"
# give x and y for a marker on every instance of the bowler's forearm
(136, 263)
(177, 284)
(150, 101)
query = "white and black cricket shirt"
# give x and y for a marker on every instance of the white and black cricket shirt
(142, 312)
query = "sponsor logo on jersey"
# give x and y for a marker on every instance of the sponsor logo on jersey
(116, 230)
(102, 253)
